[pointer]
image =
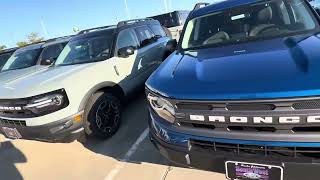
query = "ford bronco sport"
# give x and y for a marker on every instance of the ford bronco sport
(251, 107)
(84, 90)
(32, 57)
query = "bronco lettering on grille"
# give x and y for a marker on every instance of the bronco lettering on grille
(256, 120)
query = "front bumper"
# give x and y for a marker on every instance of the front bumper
(65, 130)
(179, 148)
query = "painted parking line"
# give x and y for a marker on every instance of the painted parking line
(120, 165)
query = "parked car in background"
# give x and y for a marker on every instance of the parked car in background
(173, 21)
(86, 87)
(5, 55)
(316, 5)
(26, 58)
(241, 93)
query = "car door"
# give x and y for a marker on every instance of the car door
(151, 49)
(160, 52)
(126, 67)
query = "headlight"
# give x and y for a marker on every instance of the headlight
(48, 103)
(162, 107)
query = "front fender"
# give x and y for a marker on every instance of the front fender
(93, 90)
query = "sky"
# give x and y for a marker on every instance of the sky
(55, 18)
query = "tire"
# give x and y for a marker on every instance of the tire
(102, 115)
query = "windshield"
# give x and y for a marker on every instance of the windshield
(22, 59)
(86, 50)
(261, 20)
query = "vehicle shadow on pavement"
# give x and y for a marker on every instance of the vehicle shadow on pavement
(9, 156)
(134, 123)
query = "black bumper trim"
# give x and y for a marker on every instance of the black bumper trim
(202, 159)
(60, 131)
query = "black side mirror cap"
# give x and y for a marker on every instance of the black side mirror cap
(126, 51)
(156, 37)
(172, 45)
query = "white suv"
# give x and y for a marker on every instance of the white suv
(86, 86)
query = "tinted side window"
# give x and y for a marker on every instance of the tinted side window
(145, 35)
(4, 58)
(51, 52)
(127, 38)
(158, 30)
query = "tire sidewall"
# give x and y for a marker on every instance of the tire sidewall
(90, 125)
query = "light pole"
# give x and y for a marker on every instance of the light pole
(127, 9)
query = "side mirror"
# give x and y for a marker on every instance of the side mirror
(126, 52)
(47, 62)
(156, 37)
(172, 45)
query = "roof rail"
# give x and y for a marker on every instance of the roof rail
(57, 38)
(200, 5)
(132, 21)
(94, 29)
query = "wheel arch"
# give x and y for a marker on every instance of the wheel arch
(110, 87)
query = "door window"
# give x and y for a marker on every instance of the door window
(51, 52)
(127, 38)
(158, 30)
(145, 35)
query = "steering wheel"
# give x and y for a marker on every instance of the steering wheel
(261, 28)
(216, 38)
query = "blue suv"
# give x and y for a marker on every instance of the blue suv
(241, 94)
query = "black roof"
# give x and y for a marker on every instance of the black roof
(94, 32)
(98, 31)
(46, 43)
(10, 50)
(57, 40)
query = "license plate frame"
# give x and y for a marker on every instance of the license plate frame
(236, 170)
(11, 133)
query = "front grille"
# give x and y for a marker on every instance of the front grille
(240, 149)
(250, 107)
(4, 122)
(307, 105)
(23, 113)
(302, 108)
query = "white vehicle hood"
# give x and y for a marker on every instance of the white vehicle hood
(9, 76)
(35, 81)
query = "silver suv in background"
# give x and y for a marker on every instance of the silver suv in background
(26, 59)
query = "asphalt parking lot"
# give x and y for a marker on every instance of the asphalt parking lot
(128, 155)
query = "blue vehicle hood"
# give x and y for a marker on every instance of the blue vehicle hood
(276, 68)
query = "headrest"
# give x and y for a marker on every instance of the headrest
(265, 14)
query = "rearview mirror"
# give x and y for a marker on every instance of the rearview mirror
(171, 45)
(126, 52)
(47, 62)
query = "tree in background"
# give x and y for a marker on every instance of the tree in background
(34, 38)
(22, 43)
(31, 39)
(2, 47)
